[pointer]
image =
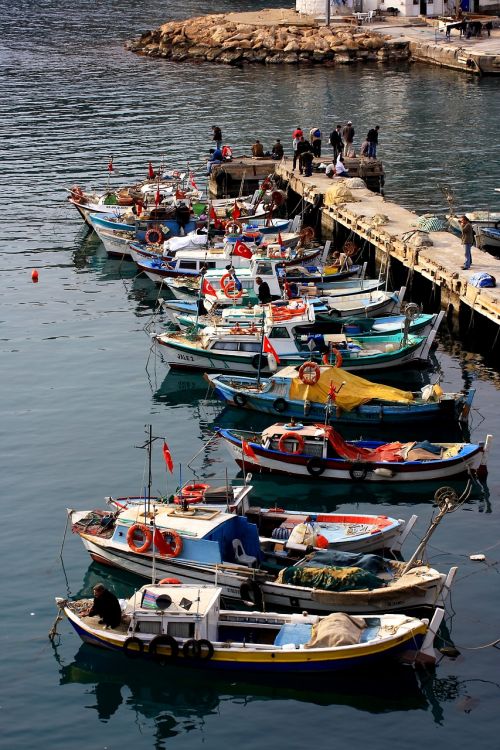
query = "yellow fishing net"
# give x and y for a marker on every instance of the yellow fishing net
(354, 391)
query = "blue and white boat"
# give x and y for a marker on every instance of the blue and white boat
(357, 401)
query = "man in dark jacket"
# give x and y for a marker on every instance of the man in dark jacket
(336, 141)
(264, 293)
(106, 606)
(467, 241)
(217, 135)
(372, 138)
(302, 147)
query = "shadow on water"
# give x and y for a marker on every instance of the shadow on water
(170, 696)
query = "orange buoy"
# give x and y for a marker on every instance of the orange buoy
(34, 276)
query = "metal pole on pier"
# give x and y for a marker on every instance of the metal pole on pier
(327, 12)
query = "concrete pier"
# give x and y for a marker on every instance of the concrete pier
(242, 175)
(439, 263)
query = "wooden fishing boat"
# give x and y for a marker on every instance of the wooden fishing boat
(186, 315)
(355, 400)
(292, 340)
(294, 529)
(185, 625)
(205, 545)
(320, 451)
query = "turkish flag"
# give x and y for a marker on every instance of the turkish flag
(151, 172)
(280, 240)
(248, 450)
(207, 289)
(168, 458)
(236, 212)
(242, 250)
(214, 218)
(157, 197)
(110, 164)
(192, 181)
(268, 348)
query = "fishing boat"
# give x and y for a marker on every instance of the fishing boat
(296, 530)
(155, 192)
(185, 625)
(320, 451)
(489, 236)
(290, 341)
(340, 397)
(205, 545)
(186, 315)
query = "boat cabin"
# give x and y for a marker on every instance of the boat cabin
(200, 534)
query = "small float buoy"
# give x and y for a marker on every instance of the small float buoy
(34, 276)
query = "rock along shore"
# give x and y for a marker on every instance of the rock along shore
(271, 37)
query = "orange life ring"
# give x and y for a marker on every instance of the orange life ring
(309, 373)
(171, 581)
(172, 541)
(338, 358)
(151, 234)
(193, 499)
(234, 227)
(236, 329)
(291, 436)
(223, 281)
(194, 488)
(231, 292)
(147, 534)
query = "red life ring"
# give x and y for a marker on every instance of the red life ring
(234, 227)
(338, 358)
(154, 236)
(223, 281)
(231, 292)
(193, 493)
(291, 436)
(171, 581)
(147, 534)
(309, 373)
(193, 499)
(173, 543)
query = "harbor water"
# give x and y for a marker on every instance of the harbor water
(80, 382)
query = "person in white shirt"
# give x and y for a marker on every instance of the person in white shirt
(340, 169)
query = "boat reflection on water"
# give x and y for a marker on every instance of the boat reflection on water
(170, 696)
(183, 388)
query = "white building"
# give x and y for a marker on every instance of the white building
(408, 8)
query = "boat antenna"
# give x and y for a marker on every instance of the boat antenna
(148, 446)
(261, 351)
(447, 501)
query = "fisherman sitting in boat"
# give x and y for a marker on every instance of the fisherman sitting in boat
(106, 606)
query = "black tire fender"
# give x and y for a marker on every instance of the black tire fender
(251, 594)
(191, 649)
(316, 466)
(240, 399)
(358, 471)
(263, 361)
(133, 647)
(205, 649)
(280, 405)
(164, 640)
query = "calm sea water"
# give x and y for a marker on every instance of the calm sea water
(78, 384)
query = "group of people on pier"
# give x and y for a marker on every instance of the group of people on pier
(341, 140)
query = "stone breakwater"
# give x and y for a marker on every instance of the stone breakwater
(217, 38)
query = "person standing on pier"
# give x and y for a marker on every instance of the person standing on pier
(372, 138)
(348, 134)
(315, 140)
(297, 138)
(217, 136)
(307, 159)
(467, 241)
(302, 147)
(336, 141)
